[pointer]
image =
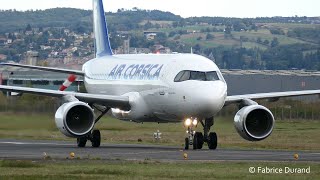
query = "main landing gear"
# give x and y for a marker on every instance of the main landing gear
(197, 139)
(95, 135)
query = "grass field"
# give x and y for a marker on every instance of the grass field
(83, 169)
(219, 40)
(287, 135)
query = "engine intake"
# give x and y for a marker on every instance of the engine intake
(254, 122)
(75, 119)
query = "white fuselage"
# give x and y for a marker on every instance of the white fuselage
(148, 81)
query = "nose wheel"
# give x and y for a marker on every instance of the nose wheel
(197, 139)
(189, 140)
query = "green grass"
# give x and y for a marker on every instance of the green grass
(148, 169)
(286, 26)
(191, 28)
(219, 40)
(287, 135)
(264, 35)
(251, 45)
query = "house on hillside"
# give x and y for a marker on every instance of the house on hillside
(150, 35)
(3, 57)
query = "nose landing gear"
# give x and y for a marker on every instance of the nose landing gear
(189, 140)
(197, 139)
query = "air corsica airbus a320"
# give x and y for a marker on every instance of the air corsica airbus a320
(161, 88)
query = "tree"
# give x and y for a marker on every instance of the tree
(239, 26)
(259, 40)
(277, 31)
(148, 25)
(172, 33)
(197, 48)
(29, 28)
(274, 42)
(177, 37)
(227, 32)
(199, 38)
(266, 42)
(209, 37)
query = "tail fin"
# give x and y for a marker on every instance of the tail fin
(102, 42)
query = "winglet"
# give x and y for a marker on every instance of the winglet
(102, 42)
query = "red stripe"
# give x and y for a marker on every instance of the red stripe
(62, 88)
(72, 77)
(68, 82)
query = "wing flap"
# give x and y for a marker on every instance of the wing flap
(106, 100)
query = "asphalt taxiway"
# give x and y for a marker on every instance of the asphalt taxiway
(26, 149)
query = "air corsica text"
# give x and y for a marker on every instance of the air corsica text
(136, 71)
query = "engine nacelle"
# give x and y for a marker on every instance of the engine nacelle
(254, 122)
(75, 119)
(139, 109)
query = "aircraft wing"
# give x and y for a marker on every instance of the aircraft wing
(106, 100)
(52, 69)
(272, 95)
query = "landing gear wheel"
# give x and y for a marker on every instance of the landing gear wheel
(212, 140)
(198, 140)
(96, 138)
(81, 141)
(186, 143)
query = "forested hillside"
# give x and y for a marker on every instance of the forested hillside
(233, 43)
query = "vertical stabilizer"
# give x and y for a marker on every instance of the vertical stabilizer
(102, 43)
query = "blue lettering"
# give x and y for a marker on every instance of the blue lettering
(151, 68)
(119, 71)
(113, 71)
(137, 74)
(144, 74)
(133, 71)
(126, 74)
(157, 74)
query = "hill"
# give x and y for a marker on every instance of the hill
(246, 43)
(11, 20)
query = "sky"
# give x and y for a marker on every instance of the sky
(186, 8)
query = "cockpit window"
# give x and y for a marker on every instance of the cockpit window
(212, 76)
(196, 75)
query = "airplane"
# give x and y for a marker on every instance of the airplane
(160, 88)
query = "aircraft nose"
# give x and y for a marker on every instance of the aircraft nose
(212, 98)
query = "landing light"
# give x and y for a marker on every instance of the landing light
(195, 122)
(117, 110)
(187, 122)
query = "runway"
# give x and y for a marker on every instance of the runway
(34, 150)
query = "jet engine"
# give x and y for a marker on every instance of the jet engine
(254, 122)
(75, 119)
